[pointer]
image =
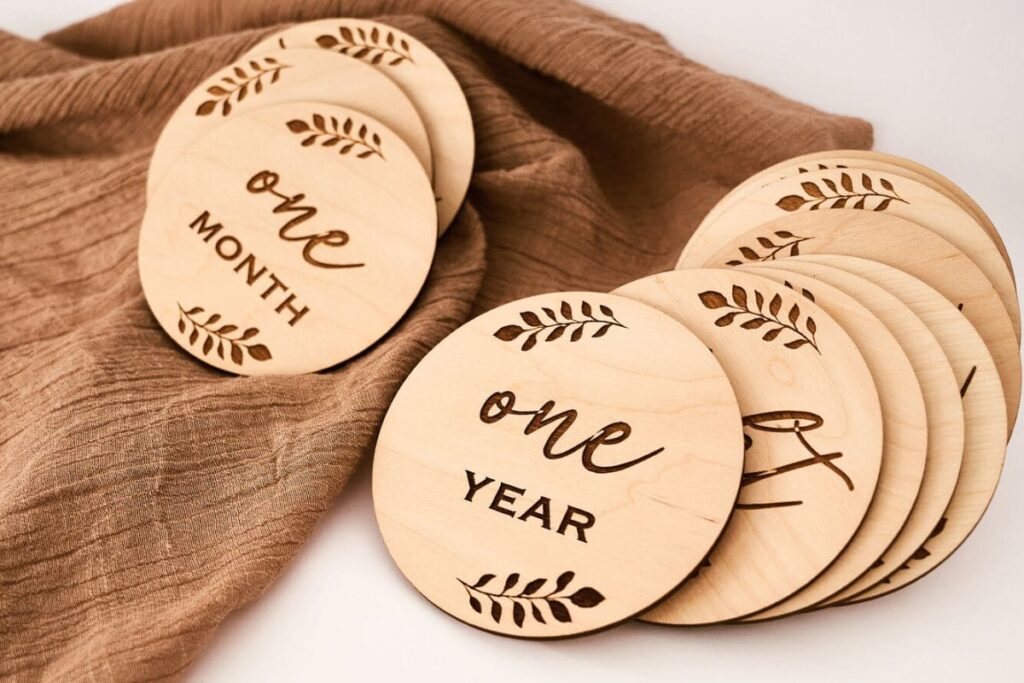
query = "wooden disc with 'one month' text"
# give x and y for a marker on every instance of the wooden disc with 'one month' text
(812, 427)
(263, 254)
(901, 244)
(558, 465)
(984, 421)
(422, 76)
(280, 76)
(945, 415)
(904, 446)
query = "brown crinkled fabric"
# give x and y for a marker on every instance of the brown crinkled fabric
(145, 496)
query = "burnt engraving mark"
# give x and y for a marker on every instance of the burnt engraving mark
(239, 84)
(554, 603)
(842, 195)
(797, 423)
(788, 245)
(330, 132)
(506, 496)
(557, 324)
(226, 338)
(759, 315)
(919, 554)
(374, 46)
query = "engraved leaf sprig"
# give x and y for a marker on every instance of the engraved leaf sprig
(375, 46)
(529, 596)
(830, 195)
(788, 245)
(765, 315)
(237, 86)
(225, 337)
(553, 325)
(330, 132)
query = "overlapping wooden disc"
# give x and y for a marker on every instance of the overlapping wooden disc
(263, 79)
(837, 189)
(904, 446)
(261, 253)
(943, 407)
(421, 75)
(558, 465)
(813, 428)
(854, 160)
(984, 417)
(901, 244)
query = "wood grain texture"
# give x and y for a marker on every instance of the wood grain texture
(287, 239)
(814, 437)
(869, 160)
(904, 245)
(421, 75)
(943, 406)
(866, 191)
(562, 443)
(984, 420)
(261, 79)
(904, 445)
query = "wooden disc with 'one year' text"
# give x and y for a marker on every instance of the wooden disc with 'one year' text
(558, 465)
(280, 76)
(422, 76)
(263, 253)
(812, 428)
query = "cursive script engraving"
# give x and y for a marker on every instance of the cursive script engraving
(502, 403)
(266, 182)
(796, 422)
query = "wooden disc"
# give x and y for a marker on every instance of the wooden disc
(263, 254)
(901, 244)
(421, 75)
(558, 465)
(944, 412)
(984, 418)
(904, 445)
(837, 189)
(863, 160)
(263, 79)
(812, 425)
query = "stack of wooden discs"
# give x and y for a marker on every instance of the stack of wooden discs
(811, 411)
(296, 196)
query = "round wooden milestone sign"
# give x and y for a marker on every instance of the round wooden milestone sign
(823, 192)
(421, 75)
(558, 465)
(813, 431)
(263, 79)
(264, 253)
(901, 244)
(984, 420)
(943, 407)
(904, 446)
(863, 160)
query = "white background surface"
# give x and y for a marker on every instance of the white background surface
(943, 82)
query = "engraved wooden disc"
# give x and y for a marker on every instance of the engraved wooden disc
(263, 79)
(862, 160)
(813, 425)
(421, 75)
(558, 465)
(825, 191)
(984, 419)
(904, 445)
(261, 253)
(901, 244)
(945, 415)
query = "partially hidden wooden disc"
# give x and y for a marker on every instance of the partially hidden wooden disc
(984, 418)
(558, 465)
(421, 75)
(813, 430)
(904, 446)
(943, 407)
(858, 159)
(822, 192)
(902, 244)
(263, 79)
(261, 253)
